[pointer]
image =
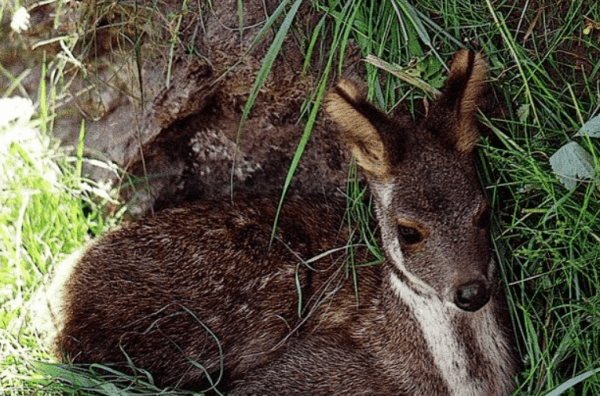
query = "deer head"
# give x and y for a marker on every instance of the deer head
(433, 215)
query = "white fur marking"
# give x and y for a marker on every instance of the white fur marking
(47, 309)
(386, 196)
(435, 319)
(395, 252)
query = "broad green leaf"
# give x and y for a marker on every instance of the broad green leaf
(590, 128)
(572, 162)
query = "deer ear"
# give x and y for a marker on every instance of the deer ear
(462, 94)
(358, 122)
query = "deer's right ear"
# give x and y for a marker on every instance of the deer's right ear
(357, 120)
(462, 95)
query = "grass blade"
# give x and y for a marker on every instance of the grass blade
(263, 73)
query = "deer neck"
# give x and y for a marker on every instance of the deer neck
(466, 353)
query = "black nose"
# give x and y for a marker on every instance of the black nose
(472, 296)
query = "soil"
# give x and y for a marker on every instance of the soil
(169, 114)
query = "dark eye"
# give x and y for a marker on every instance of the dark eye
(409, 235)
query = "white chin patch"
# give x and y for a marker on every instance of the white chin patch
(435, 321)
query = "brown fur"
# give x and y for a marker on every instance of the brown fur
(203, 282)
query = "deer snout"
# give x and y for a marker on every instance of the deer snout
(472, 296)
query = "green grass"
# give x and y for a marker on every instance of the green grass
(545, 67)
(46, 211)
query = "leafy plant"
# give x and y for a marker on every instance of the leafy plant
(572, 162)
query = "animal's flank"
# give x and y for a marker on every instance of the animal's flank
(201, 290)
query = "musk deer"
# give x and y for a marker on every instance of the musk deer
(200, 295)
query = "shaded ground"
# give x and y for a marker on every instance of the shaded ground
(170, 110)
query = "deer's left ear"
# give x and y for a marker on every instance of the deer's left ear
(462, 95)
